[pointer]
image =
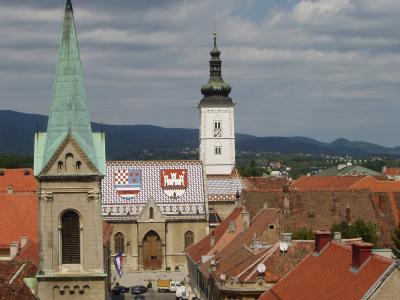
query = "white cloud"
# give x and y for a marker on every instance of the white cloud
(309, 68)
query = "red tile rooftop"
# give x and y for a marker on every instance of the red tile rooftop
(329, 275)
(326, 182)
(21, 180)
(392, 171)
(204, 246)
(18, 218)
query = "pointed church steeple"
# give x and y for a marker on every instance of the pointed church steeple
(215, 85)
(69, 113)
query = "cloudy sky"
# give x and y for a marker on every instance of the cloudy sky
(322, 69)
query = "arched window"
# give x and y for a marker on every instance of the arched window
(69, 162)
(119, 243)
(151, 213)
(78, 165)
(70, 238)
(60, 165)
(189, 238)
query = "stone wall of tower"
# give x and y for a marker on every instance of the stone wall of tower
(224, 162)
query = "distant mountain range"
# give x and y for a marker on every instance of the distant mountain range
(128, 141)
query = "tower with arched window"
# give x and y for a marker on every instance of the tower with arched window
(69, 165)
(217, 127)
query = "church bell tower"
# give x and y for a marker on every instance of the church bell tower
(217, 128)
(69, 164)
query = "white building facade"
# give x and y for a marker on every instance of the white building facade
(217, 129)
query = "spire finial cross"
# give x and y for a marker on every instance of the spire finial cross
(215, 35)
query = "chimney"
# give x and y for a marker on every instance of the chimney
(322, 238)
(337, 236)
(238, 199)
(14, 249)
(24, 241)
(232, 226)
(360, 253)
(212, 240)
(286, 237)
(245, 220)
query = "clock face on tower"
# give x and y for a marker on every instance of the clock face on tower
(217, 132)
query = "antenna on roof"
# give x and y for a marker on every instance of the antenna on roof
(261, 268)
(283, 246)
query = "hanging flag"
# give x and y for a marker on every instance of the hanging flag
(118, 264)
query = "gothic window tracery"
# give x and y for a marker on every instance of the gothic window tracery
(119, 243)
(189, 238)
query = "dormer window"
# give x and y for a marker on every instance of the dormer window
(10, 189)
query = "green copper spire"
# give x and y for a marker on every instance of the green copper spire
(69, 114)
(215, 85)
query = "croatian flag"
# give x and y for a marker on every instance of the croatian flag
(118, 264)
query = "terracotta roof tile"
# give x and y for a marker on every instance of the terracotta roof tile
(392, 171)
(29, 252)
(203, 247)
(21, 180)
(326, 182)
(18, 218)
(236, 257)
(266, 183)
(335, 280)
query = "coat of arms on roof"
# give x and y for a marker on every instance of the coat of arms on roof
(127, 182)
(174, 182)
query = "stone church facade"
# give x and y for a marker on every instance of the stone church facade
(69, 163)
(157, 209)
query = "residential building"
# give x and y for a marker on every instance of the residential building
(338, 271)
(320, 201)
(349, 170)
(221, 265)
(18, 208)
(391, 173)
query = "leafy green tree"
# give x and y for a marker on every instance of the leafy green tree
(360, 228)
(12, 161)
(396, 241)
(302, 234)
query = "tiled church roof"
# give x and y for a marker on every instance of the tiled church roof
(224, 187)
(190, 205)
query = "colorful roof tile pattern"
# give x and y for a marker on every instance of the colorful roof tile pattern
(177, 187)
(224, 187)
(329, 276)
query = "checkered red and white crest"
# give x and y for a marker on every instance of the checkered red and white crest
(127, 183)
(174, 182)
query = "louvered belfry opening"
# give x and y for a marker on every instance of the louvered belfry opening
(70, 238)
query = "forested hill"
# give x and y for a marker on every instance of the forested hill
(129, 141)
